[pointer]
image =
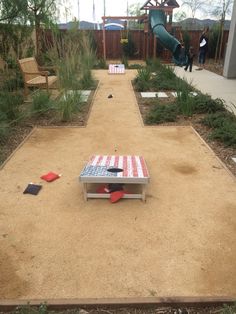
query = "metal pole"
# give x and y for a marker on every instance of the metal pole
(104, 7)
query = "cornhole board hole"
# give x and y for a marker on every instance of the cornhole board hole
(116, 69)
(134, 171)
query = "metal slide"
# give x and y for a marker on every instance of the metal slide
(157, 20)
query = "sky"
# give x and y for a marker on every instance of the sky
(85, 11)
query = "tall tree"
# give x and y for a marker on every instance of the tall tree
(40, 12)
(33, 11)
(11, 10)
(220, 9)
(194, 6)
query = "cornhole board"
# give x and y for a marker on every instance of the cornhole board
(134, 172)
(116, 69)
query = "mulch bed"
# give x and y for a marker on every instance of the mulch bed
(20, 131)
(225, 154)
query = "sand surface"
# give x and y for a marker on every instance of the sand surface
(181, 242)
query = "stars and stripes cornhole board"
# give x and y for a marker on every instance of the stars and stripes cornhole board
(116, 69)
(132, 170)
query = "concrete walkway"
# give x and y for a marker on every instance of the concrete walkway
(213, 84)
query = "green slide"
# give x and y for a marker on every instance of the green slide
(157, 20)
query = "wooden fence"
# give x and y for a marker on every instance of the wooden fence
(143, 41)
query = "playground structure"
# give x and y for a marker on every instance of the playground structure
(158, 21)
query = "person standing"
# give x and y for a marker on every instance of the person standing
(203, 48)
(190, 56)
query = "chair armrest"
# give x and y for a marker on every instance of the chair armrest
(44, 73)
(45, 68)
(39, 73)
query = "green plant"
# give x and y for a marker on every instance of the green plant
(69, 104)
(142, 81)
(124, 60)
(4, 131)
(229, 309)
(128, 47)
(29, 309)
(205, 104)
(135, 66)
(41, 103)
(165, 78)
(184, 99)
(217, 119)
(10, 105)
(223, 126)
(162, 113)
(100, 64)
(13, 83)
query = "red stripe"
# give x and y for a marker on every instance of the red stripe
(144, 168)
(99, 160)
(134, 166)
(108, 161)
(125, 170)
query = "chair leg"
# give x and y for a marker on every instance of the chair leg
(26, 91)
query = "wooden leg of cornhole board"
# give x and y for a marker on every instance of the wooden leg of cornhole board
(85, 191)
(144, 193)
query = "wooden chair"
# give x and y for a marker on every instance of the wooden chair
(35, 76)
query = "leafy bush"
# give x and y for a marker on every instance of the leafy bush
(128, 47)
(205, 104)
(226, 134)
(41, 103)
(154, 64)
(224, 127)
(135, 66)
(165, 79)
(10, 105)
(69, 104)
(14, 83)
(4, 131)
(100, 64)
(142, 81)
(184, 99)
(216, 120)
(162, 113)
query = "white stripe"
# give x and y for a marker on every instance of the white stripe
(120, 165)
(94, 162)
(103, 161)
(139, 167)
(112, 161)
(129, 166)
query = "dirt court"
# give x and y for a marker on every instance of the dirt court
(181, 242)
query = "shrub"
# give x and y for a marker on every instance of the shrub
(10, 105)
(135, 66)
(226, 134)
(4, 131)
(184, 99)
(154, 64)
(216, 120)
(162, 113)
(165, 79)
(142, 81)
(205, 104)
(224, 127)
(69, 104)
(41, 103)
(100, 64)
